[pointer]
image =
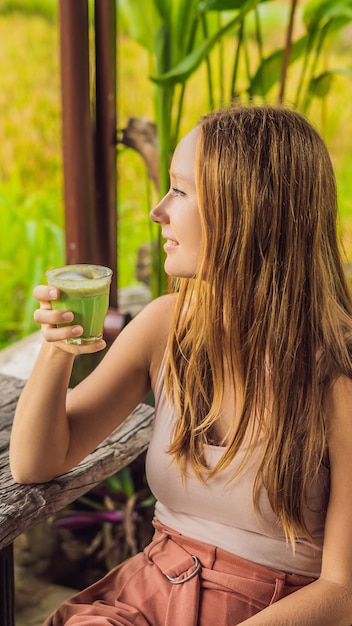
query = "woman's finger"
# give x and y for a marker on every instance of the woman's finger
(53, 333)
(46, 315)
(86, 348)
(45, 293)
(62, 336)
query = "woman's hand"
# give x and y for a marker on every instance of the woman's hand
(49, 320)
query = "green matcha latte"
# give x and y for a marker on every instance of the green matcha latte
(84, 290)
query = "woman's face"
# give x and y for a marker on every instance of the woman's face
(178, 212)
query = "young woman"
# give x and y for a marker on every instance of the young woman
(250, 361)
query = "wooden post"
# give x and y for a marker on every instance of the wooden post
(105, 161)
(89, 142)
(77, 131)
(7, 587)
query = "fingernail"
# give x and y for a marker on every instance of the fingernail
(76, 330)
(53, 293)
(67, 316)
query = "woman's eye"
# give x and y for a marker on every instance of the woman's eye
(178, 192)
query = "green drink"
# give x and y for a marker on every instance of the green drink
(84, 290)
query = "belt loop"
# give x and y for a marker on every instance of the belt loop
(150, 547)
(171, 558)
(278, 591)
(183, 605)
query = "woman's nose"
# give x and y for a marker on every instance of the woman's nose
(158, 213)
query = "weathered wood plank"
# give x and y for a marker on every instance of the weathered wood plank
(10, 389)
(23, 506)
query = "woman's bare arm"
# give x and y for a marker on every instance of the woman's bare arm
(53, 430)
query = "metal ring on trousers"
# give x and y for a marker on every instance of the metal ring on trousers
(174, 581)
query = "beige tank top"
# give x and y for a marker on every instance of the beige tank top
(221, 512)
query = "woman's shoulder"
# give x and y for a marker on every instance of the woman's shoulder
(159, 311)
(152, 324)
(339, 405)
(340, 392)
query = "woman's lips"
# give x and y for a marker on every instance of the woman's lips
(170, 244)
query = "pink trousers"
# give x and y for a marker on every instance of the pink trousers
(177, 581)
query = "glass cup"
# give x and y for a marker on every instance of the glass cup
(84, 290)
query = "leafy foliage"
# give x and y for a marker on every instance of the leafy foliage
(30, 242)
(181, 35)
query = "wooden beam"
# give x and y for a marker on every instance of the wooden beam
(105, 137)
(77, 134)
(7, 587)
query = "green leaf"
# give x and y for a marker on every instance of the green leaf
(114, 483)
(320, 85)
(269, 72)
(183, 17)
(191, 62)
(185, 68)
(143, 19)
(319, 12)
(225, 5)
(126, 482)
(163, 7)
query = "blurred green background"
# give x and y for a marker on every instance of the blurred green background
(31, 201)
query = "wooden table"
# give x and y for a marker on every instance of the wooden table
(23, 506)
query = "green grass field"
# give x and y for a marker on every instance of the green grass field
(31, 205)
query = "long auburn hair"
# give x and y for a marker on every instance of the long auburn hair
(270, 303)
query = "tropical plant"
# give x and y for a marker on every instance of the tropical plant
(35, 243)
(181, 35)
(322, 20)
(116, 508)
